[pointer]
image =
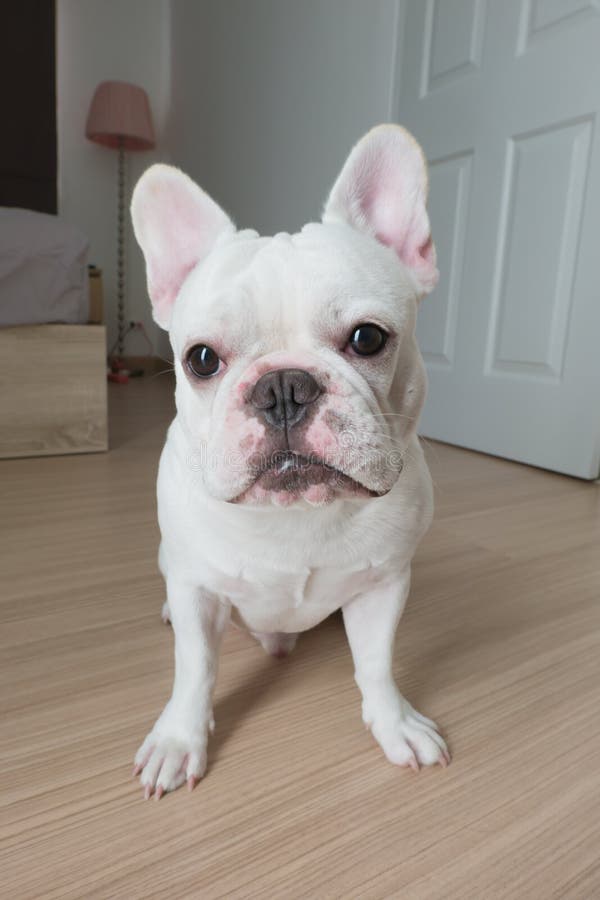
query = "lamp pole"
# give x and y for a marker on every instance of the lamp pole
(121, 250)
(120, 109)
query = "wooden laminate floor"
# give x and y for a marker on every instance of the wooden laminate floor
(500, 644)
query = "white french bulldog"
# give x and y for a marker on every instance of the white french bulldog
(292, 483)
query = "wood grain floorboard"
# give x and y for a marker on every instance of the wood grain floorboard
(500, 644)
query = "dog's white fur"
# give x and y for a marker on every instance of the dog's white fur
(279, 561)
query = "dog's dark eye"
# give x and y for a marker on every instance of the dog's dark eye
(366, 340)
(203, 361)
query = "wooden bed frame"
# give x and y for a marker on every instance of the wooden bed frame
(52, 390)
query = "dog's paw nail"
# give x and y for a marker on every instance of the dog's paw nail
(168, 763)
(445, 759)
(411, 742)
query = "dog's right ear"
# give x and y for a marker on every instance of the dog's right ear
(176, 225)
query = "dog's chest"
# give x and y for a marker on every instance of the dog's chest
(270, 601)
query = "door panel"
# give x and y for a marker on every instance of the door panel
(542, 19)
(453, 37)
(532, 291)
(450, 182)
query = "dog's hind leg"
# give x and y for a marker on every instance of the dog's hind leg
(277, 643)
(165, 612)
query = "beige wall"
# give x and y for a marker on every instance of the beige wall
(269, 96)
(98, 40)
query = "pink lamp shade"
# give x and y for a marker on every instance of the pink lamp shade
(120, 114)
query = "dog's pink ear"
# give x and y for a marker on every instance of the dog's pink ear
(382, 190)
(176, 225)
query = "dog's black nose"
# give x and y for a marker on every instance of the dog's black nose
(282, 396)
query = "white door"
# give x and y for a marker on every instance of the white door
(504, 95)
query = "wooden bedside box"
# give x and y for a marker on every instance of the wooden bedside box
(52, 390)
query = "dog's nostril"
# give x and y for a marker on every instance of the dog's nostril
(266, 399)
(263, 395)
(281, 396)
(304, 389)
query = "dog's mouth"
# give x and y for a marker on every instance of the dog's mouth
(295, 474)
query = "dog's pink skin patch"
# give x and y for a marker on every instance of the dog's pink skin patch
(247, 436)
(337, 389)
(255, 494)
(248, 444)
(320, 439)
(243, 390)
(239, 423)
(284, 498)
(318, 494)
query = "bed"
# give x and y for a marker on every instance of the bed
(52, 363)
(43, 269)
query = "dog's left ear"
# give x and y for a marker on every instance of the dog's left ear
(382, 191)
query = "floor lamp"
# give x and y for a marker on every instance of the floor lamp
(120, 118)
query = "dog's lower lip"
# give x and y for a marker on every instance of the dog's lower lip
(295, 473)
(291, 465)
(286, 461)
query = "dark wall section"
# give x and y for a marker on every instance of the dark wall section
(28, 105)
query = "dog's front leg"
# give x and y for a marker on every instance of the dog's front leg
(175, 749)
(406, 737)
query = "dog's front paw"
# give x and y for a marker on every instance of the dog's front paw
(410, 739)
(164, 762)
